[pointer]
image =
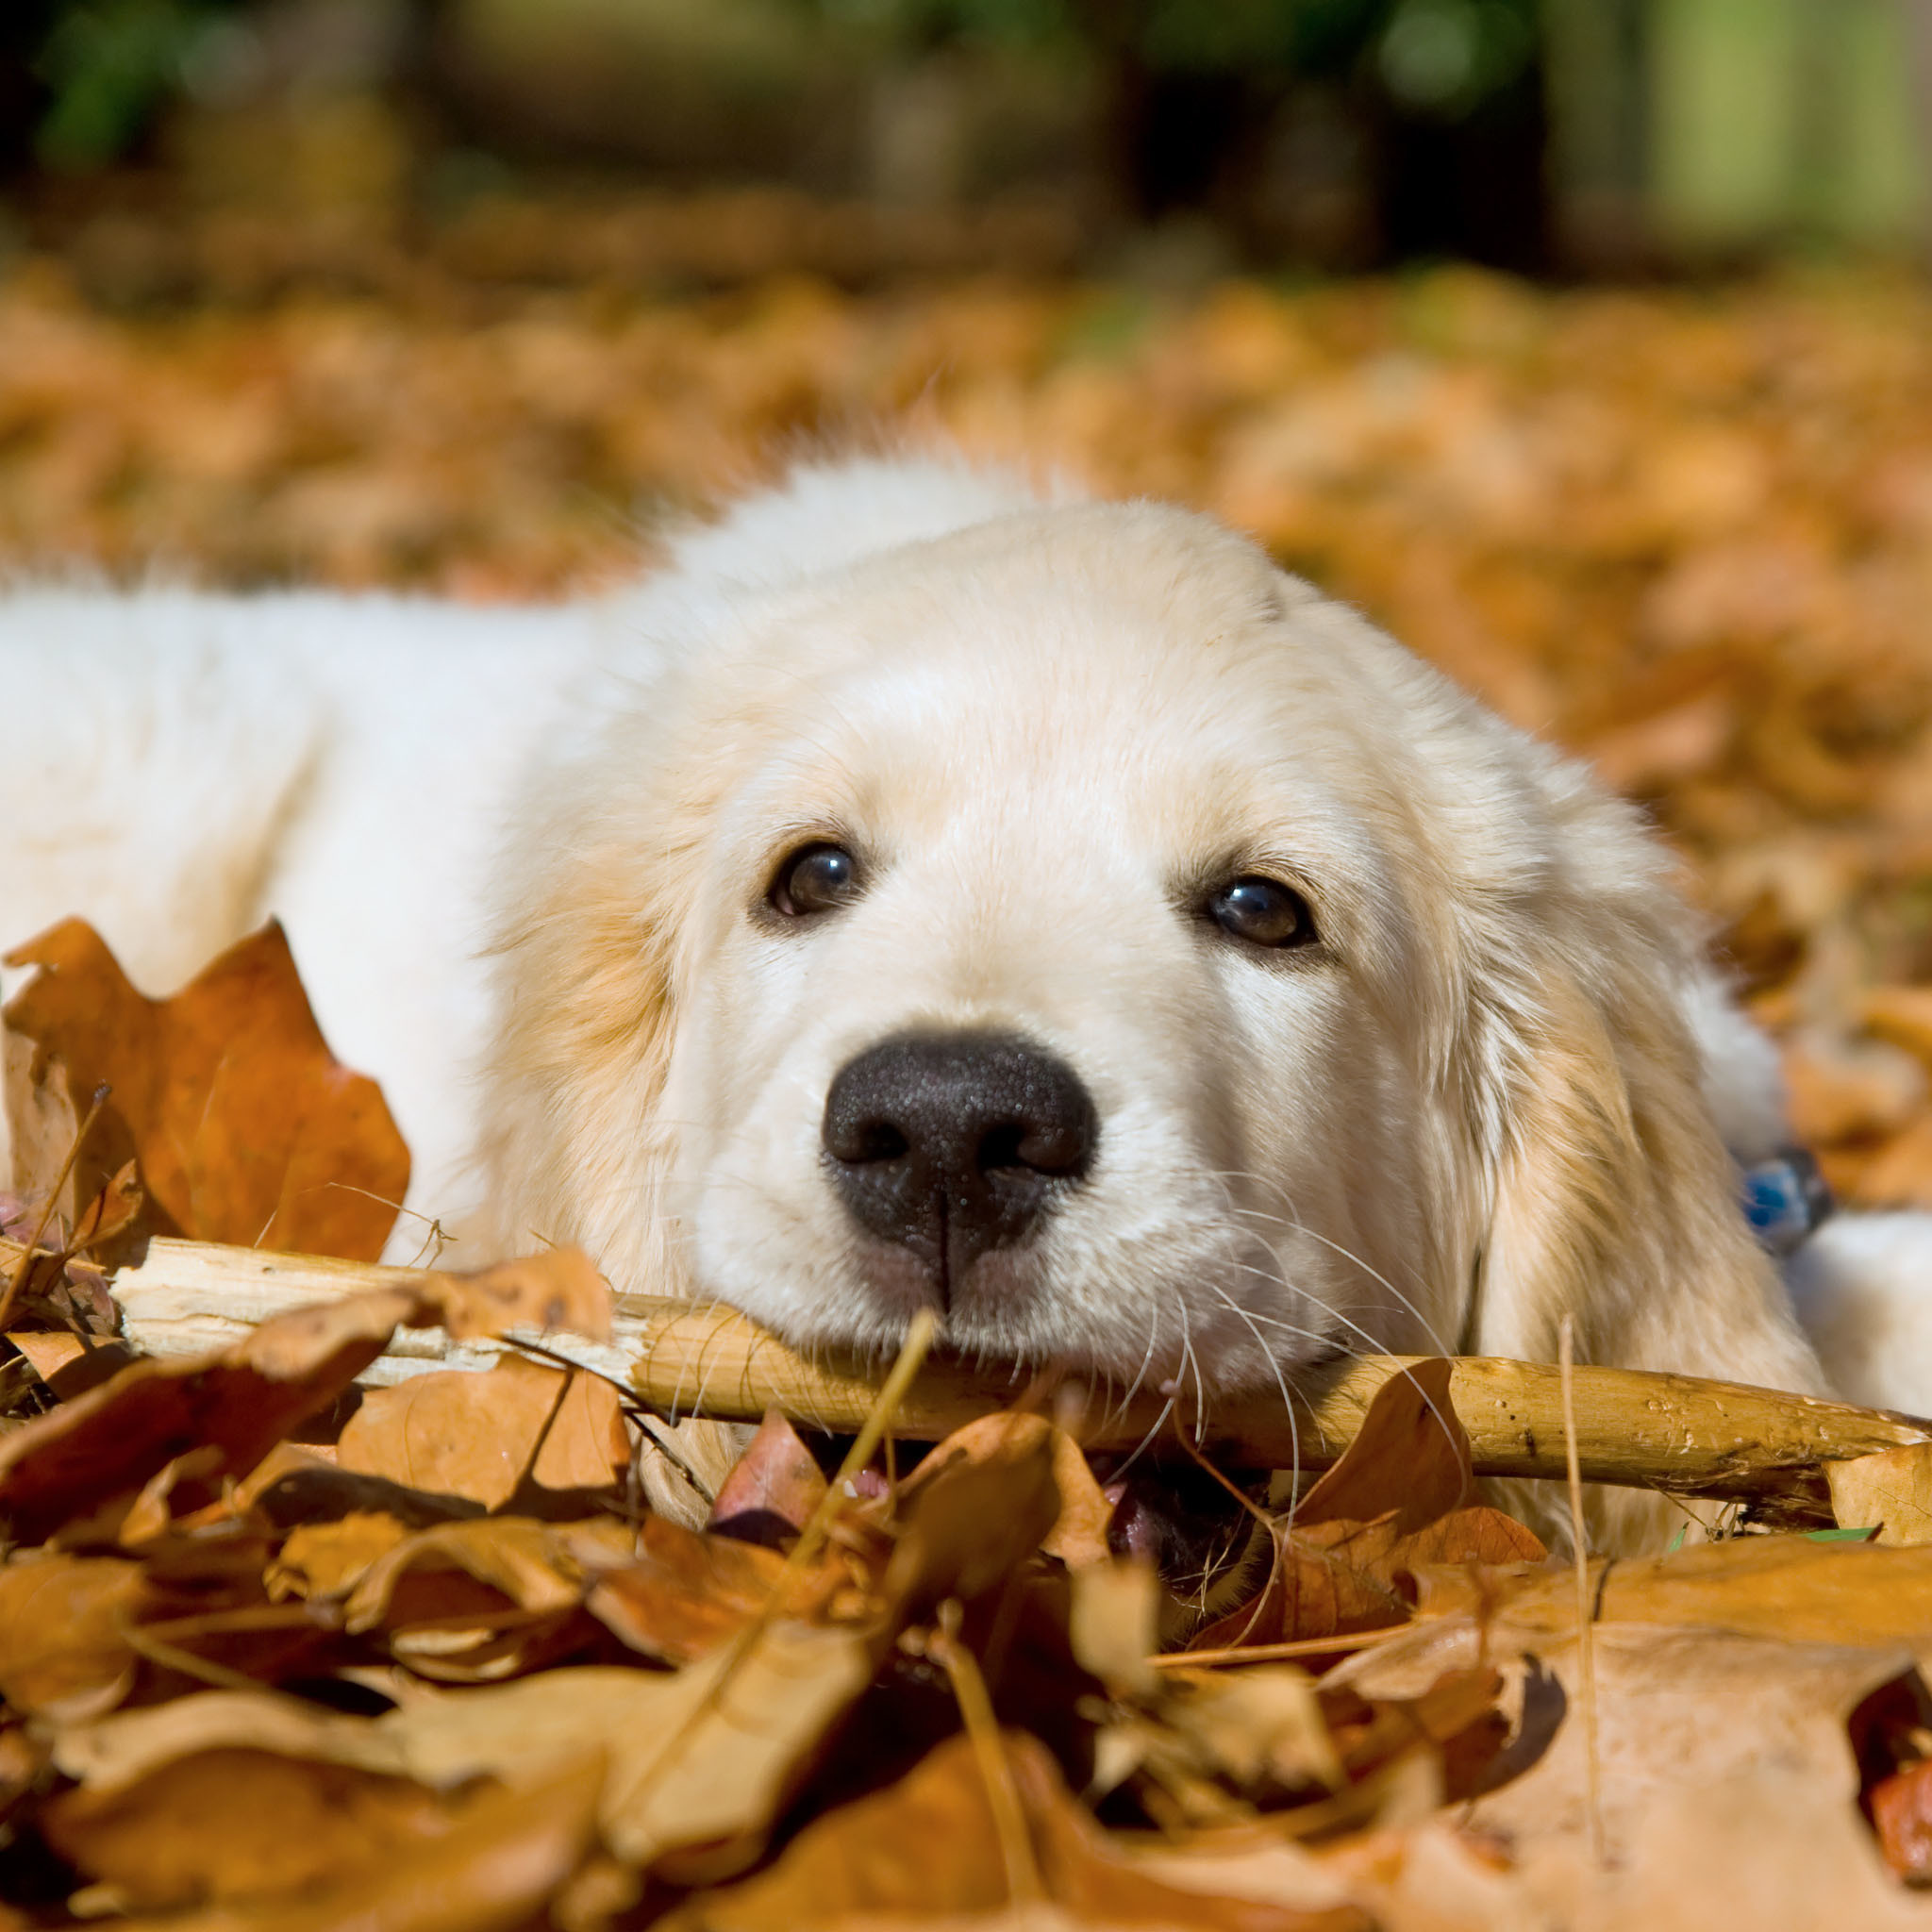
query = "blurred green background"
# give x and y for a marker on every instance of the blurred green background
(1569, 136)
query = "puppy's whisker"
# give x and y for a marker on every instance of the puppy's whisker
(1295, 1434)
(1294, 1221)
(1375, 1347)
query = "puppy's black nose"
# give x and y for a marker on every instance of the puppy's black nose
(952, 1144)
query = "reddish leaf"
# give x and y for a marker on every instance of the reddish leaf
(773, 1488)
(1402, 1496)
(245, 1127)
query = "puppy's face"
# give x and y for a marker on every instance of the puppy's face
(1064, 951)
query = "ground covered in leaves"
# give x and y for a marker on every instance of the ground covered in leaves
(281, 1648)
(1687, 533)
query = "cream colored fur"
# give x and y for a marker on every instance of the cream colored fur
(531, 850)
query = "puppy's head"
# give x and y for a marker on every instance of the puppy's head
(1076, 928)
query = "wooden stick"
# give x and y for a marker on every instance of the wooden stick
(1676, 1433)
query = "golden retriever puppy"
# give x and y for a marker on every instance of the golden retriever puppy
(925, 896)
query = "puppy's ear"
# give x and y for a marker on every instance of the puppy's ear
(576, 1145)
(589, 924)
(1613, 1199)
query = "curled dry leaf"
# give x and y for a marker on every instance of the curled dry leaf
(493, 1871)
(1890, 1492)
(480, 1436)
(697, 1762)
(111, 1212)
(234, 1823)
(1403, 1495)
(683, 1594)
(328, 1560)
(1786, 1586)
(929, 1848)
(1113, 1625)
(974, 1509)
(700, 1760)
(773, 1488)
(557, 1288)
(245, 1398)
(62, 1650)
(245, 1127)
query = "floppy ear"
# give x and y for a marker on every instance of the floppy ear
(576, 1148)
(1613, 1198)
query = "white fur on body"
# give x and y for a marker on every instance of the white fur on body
(523, 856)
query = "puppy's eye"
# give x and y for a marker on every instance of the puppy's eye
(815, 878)
(1264, 912)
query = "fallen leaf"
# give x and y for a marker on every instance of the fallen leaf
(1113, 1625)
(558, 1289)
(328, 1560)
(245, 1398)
(928, 1850)
(700, 1759)
(232, 1823)
(1758, 1701)
(1794, 1587)
(977, 1507)
(1890, 1491)
(773, 1488)
(111, 1212)
(1401, 1497)
(245, 1128)
(63, 1653)
(480, 1436)
(685, 1593)
(507, 1853)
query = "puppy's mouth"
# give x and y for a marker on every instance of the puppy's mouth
(1193, 1525)
(1197, 1529)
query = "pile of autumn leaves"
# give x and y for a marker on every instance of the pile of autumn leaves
(1686, 533)
(278, 1651)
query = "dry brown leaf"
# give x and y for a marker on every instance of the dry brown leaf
(927, 1849)
(245, 1128)
(1401, 1497)
(1890, 1491)
(1113, 1625)
(1080, 1534)
(229, 1823)
(328, 1560)
(508, 1853)
(1770, 1586)
(773, 1488)
(244, 1399)
(976, 1508)
(111, 1212)
(1679, 1711)
(474, 1601)
(685, 1593)
(523, 1562)
(62, 1651)
(698, 1762)
(1259, 1727)
(479, 1436)
(700, 1759)
(557, 1288)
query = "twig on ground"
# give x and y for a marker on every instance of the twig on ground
(1676, 1433)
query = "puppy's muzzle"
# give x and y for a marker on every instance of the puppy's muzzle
(951, 1144)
